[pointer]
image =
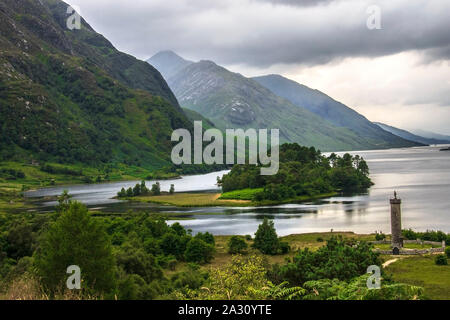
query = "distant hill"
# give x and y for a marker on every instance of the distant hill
(231, 100)
(410, 136)
(70, 96)
(331, 110)
(432, 135)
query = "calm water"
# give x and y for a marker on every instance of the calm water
(421, 177)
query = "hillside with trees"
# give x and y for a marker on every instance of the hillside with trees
(69, 96)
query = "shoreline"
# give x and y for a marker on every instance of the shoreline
(203, 199)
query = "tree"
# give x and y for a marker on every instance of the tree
(122, 193)
(199, 251)
(207, 237)
(63, 201)
(137, 190)
(172, 189)
(144, 189)
(266, 238)
(129, 192)
(237, 245)
(156, 189)
(75, 238)
(20, 240)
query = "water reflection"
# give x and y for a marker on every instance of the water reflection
(421, 176)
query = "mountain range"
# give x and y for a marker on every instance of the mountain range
(70, 96)
(431, 135)
(410, 136)
(303, 115)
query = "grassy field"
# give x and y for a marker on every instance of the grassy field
(422, 271)
(192, 200)
(244, 194)
(406, 246)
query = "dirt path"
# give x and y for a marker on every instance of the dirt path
(389, 262)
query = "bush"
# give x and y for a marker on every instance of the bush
(198, 251)
(284, 247)
(447, 252)
(380, 236)
(337, 259)
(237, 245)
(207, 237)
(266, 239)
(441, 260)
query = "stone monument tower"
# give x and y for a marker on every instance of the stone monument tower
(396, 224)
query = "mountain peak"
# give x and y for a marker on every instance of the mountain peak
(168, 63)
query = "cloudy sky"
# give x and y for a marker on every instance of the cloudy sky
(398, 74)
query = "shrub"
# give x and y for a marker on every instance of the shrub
(237, 245)
(337, 259)
(207, 237)
(284, 247)
(266, 239)
(441, 260)
(248, 237)
(172, 189)
(198, 251)
(447, 252)
(380, 236)
(319, 239)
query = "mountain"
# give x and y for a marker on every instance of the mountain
(431, 135)
(410, 136)
(195, 116)
(70, 96)
(333, 111)
(231, 100)
(168, 63)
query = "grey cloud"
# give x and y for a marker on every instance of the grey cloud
(299, 3)
(247, 33)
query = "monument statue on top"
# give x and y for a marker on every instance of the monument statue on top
(396, 224)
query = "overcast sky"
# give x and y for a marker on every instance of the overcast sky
(399, 74)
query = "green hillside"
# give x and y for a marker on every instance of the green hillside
(71, 97)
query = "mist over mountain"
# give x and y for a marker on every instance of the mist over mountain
(410, 136)
(303, 115)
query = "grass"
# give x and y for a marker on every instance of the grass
(248, 194)
(422, 271)
(406, 246)
(244, 194)
(192, 200)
